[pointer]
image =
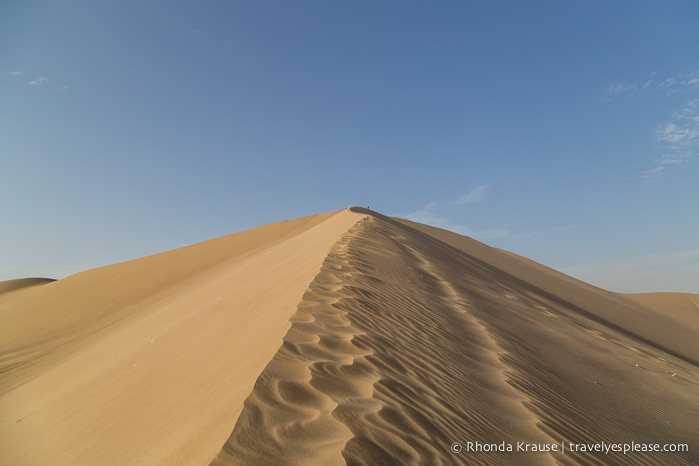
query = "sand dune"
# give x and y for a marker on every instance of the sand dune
(149, 361)
(342, 338)
(9, 285)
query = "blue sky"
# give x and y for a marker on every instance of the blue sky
(567, 132)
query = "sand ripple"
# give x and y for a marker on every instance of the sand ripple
(404, 344)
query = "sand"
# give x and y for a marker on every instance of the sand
(342, 338)
(9, 285)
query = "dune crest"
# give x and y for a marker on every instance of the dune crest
(341, 338)
(404, 344)
(382, 365)
(149, 361)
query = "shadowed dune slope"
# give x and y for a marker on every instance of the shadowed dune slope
(341, 338)
(659, 320)
(10, 285)
(410, 339)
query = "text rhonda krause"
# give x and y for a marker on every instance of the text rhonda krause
(477, 447)
(601, 447)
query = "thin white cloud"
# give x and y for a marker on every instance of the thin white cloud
(677, 135)
(667, 85)
(38, 81)
(691, 82)
(673, 159)
(620, 88)
(428, 217)
(679, 138)
(683, 130)
(475, 195)
(63, 89)
(654, 173)
(650, 81)
(14, 74)
(437, 215)
(684, 83)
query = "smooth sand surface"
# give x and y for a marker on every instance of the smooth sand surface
(342, 338)
(149, 361)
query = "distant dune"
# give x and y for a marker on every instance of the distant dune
(343, 338)
(9, 285)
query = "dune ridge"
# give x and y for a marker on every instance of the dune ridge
(403, 345)
(149, 361)
(389, 364)
(49, 323)
(341, 338)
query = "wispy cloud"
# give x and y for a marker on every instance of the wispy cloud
(434, 219)
(654, 173)
(63, 89)
(678, 138)
(428, 217)
(430, 213)
(686, 83)
(38, 81)
(683, 130)
(14, 74)
(475, 195)
(437, 215)
(620, 88)
(655, 82)
(675, 135)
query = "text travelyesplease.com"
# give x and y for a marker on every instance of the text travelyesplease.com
(563, 447)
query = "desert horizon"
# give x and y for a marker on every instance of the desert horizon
(346, 337)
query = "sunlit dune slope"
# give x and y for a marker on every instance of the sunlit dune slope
(682, 308)
(148, 361)
(343, 338)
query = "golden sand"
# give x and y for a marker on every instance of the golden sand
(341, 338)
